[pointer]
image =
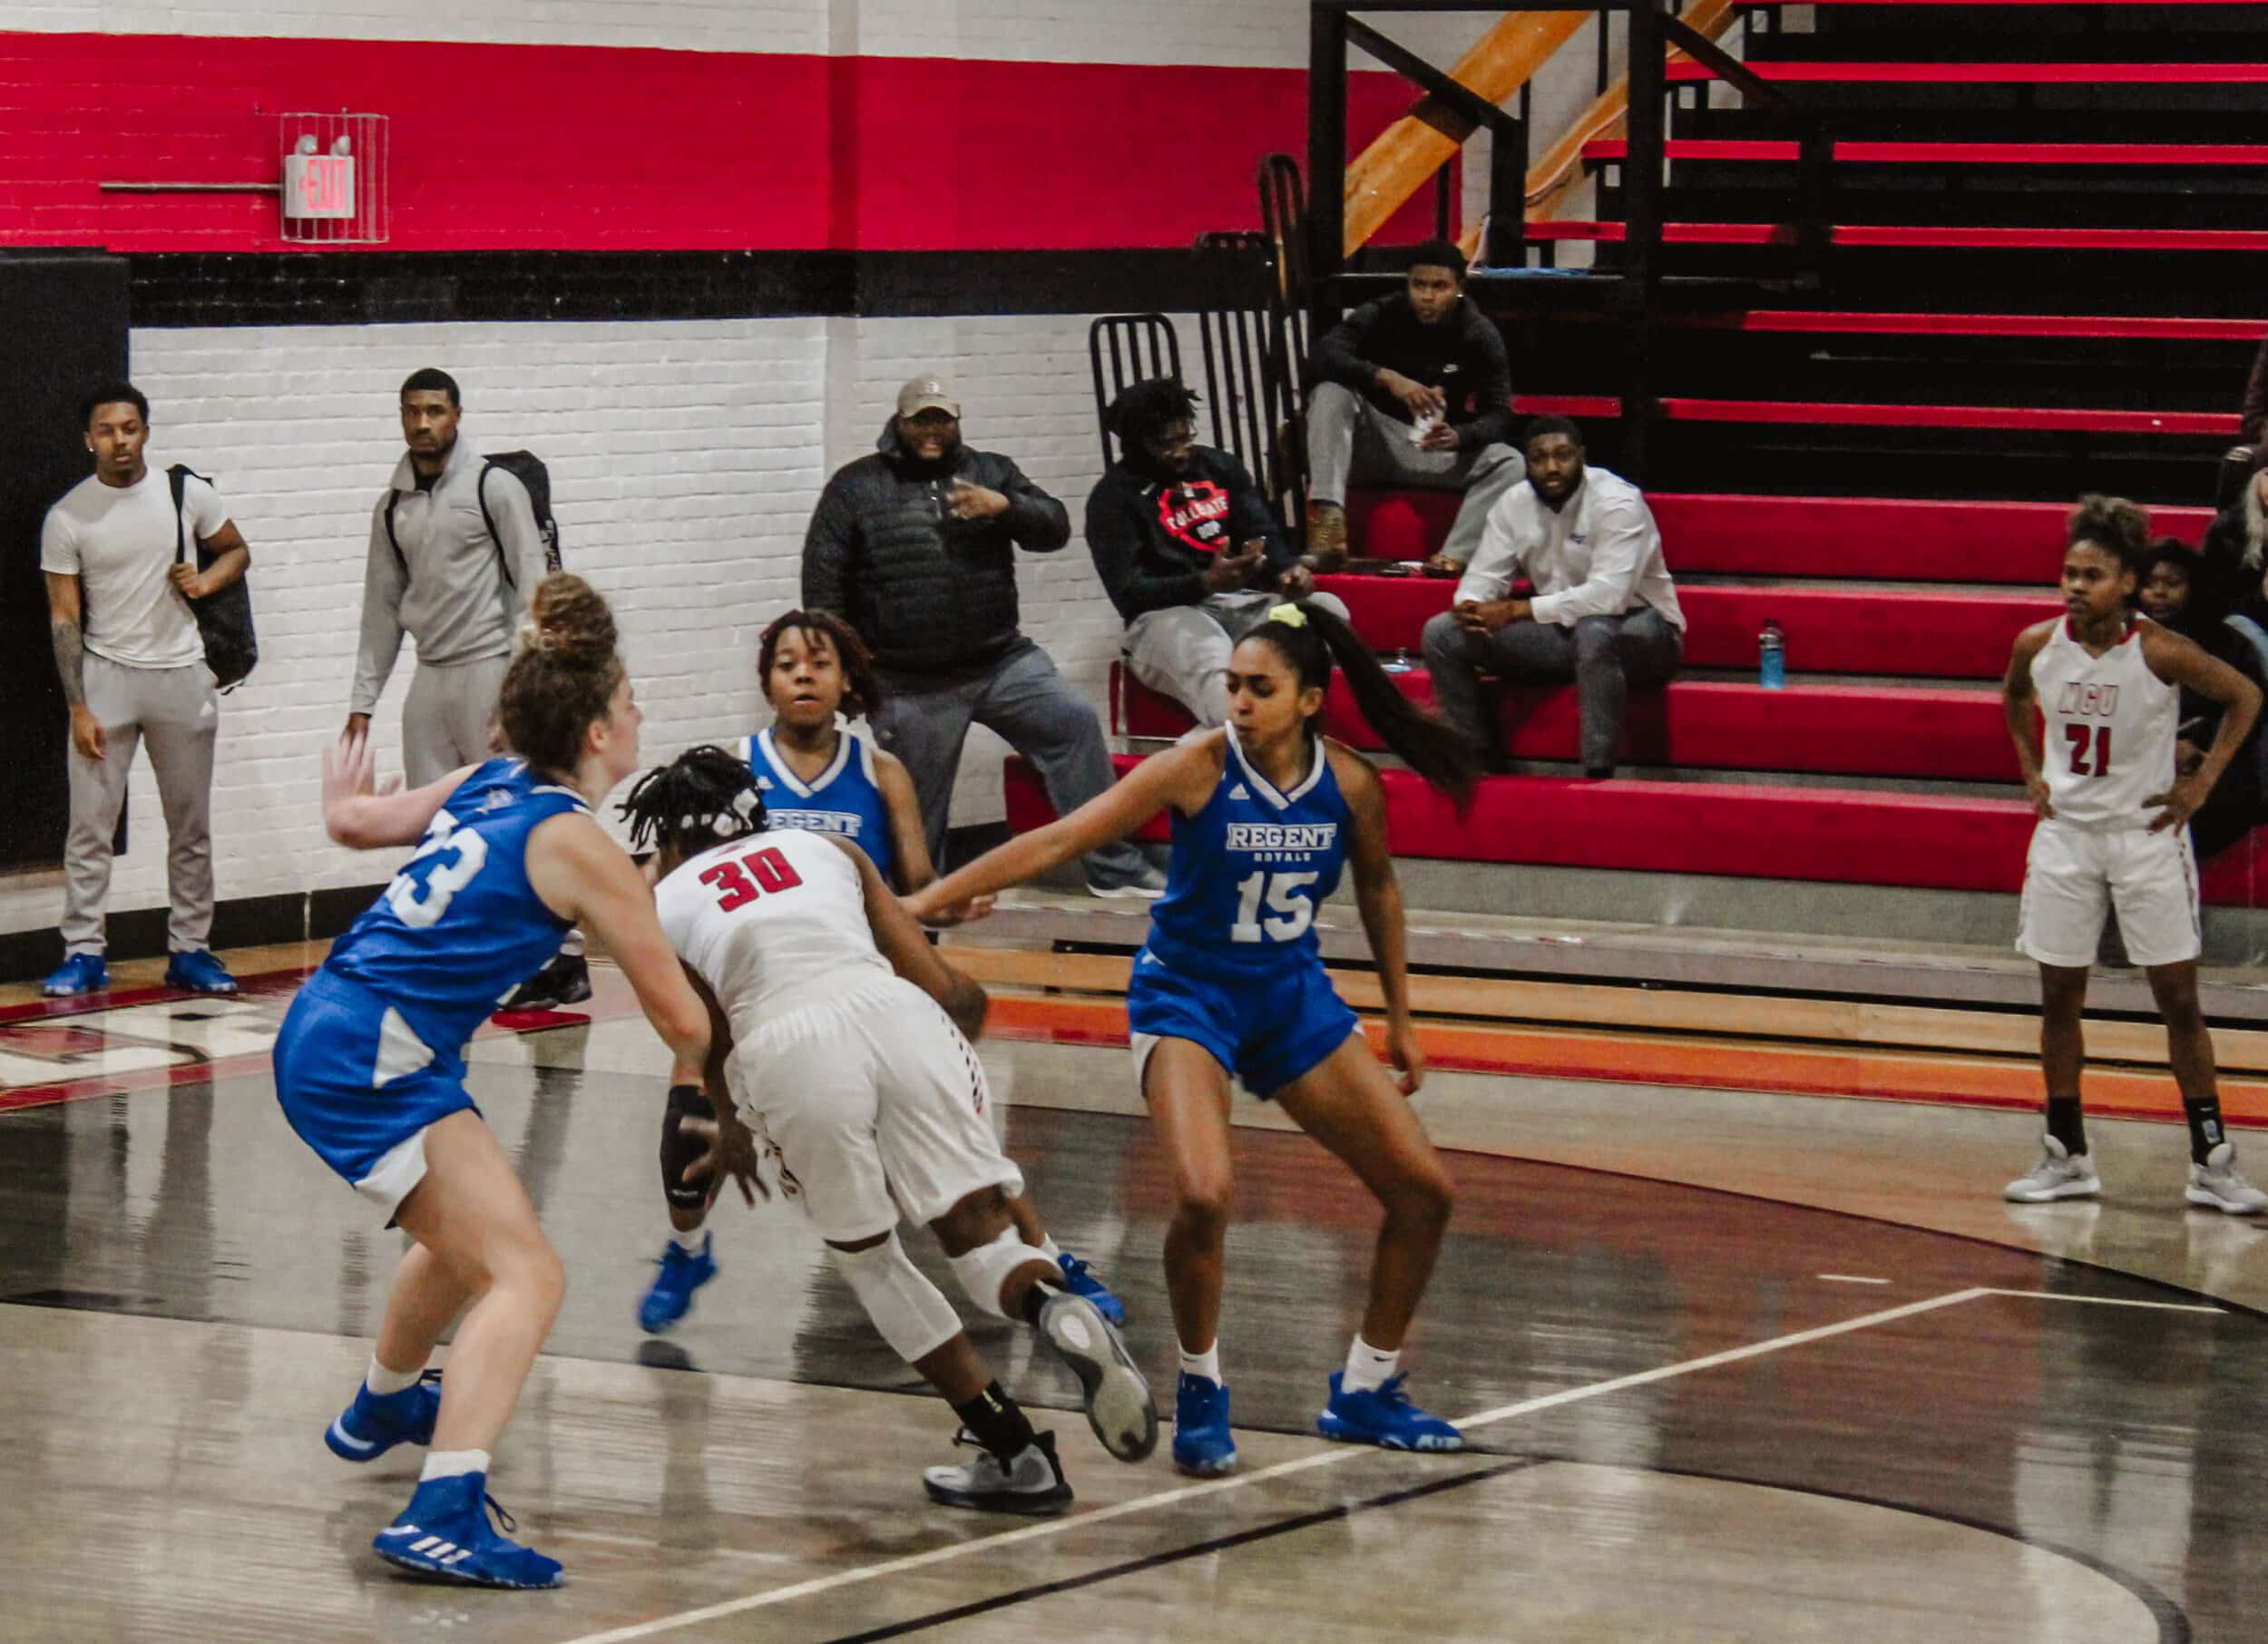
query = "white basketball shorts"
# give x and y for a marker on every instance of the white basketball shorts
(2072, 876)
(877, 1105)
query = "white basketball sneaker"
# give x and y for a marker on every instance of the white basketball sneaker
(2059, 1174)
(1031, 1482)
(2215, 1185)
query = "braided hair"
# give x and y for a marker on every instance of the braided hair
(1310, 639)
(703, 797)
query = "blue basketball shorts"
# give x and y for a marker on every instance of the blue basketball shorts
(1267, 1029)
(361, 1087)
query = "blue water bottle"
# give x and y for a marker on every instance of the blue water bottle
(1772, 657)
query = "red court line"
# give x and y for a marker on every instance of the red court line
(1530, 1052)
(1993, 74)
(200, 1070)
(2003, 325)
(1958, 153)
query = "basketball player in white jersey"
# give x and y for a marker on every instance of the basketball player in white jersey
(2093, 701)
(842, 1034)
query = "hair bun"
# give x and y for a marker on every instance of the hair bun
(570, 620)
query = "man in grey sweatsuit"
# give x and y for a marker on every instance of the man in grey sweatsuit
(436, 572)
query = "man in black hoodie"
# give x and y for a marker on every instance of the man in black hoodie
(915, 547)
(1413, 389)
(1187, 549)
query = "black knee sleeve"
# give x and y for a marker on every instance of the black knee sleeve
(678, 1150)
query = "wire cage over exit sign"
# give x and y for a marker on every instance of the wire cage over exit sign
(333, 179)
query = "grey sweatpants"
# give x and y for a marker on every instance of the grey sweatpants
(1026, 701)
(1351, 442)
(1605, 656)
(175, 712)
(1184, 649)
(448, 717)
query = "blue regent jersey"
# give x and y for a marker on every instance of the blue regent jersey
(460, 928)
(846, 801)
(1248, 870)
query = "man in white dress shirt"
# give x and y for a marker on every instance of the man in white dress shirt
(1603, 614)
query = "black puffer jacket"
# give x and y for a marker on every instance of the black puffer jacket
(930, 593)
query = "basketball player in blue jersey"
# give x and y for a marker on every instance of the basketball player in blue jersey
(1264, 813)
(2093, 700)
(816, 776)
(370, 1070)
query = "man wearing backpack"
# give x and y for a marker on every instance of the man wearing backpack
(455, 552)
(119, 587)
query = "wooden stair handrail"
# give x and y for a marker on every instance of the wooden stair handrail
(1410, 151)
(1551, 178)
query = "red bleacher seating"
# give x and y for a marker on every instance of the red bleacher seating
(1678, 408)
(1686, 69)
(1878, 539)
(1820, 835)
(1930, 635)
(1947, 735)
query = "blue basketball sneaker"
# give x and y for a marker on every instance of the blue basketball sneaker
(444, 1532)
(199, 973)
(1385, 1417)
(78, 973)
(671, 1295)
(1201, 1444)
(1080, 1279)
(376, 1422)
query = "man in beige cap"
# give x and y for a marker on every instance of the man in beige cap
(915, 547)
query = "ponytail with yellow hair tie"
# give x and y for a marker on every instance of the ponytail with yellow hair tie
(1291, 616)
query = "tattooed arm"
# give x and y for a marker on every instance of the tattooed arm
(64, 612)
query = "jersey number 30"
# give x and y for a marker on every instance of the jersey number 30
(429, 881)
(1290, 913)
(2085, 736)
(733, 886)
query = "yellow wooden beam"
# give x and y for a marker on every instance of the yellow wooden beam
(1411, 150)
(1552, 180)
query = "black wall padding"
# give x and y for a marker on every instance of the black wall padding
(62, 329)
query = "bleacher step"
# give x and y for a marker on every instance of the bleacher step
(1458, 941)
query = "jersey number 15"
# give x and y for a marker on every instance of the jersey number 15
(730, 880)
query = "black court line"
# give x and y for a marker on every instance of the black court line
(1095, 1577)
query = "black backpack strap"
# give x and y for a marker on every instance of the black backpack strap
(479, 489)
(177, 482)
(392, 497)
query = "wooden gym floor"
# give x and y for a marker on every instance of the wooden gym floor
(1738, 1364)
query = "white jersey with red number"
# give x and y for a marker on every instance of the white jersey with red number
(772, 923)
(2110, 728)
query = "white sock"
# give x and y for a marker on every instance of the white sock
(1206, 1364)
(690, 1243)
(1051, 1250)
(1367, 1367)
(572, 945)
(453, 1463)
(382, 1381)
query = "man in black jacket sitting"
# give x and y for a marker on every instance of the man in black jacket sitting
(915, 547)
(1187, 549)
(1413, 389)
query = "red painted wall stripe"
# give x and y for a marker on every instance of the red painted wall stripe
(591, 148)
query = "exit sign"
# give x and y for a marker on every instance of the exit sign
(318, 185)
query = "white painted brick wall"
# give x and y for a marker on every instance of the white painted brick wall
(685, 460)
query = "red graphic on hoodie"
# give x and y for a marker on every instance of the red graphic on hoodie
(1195, 514)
